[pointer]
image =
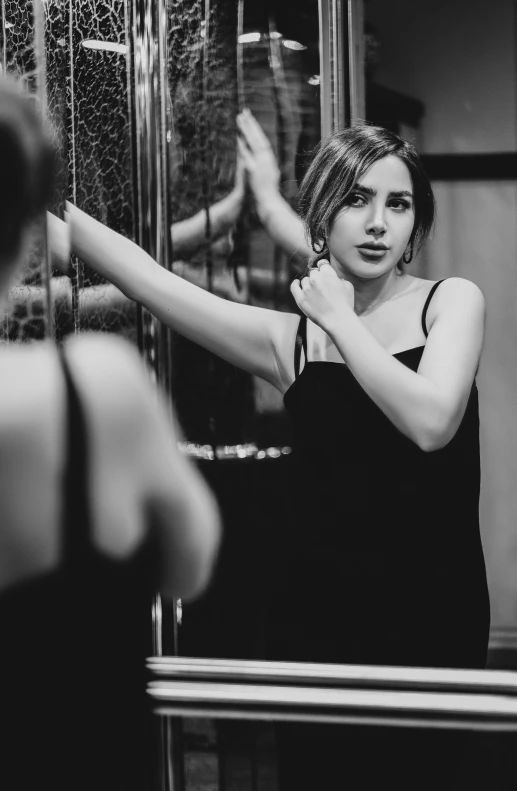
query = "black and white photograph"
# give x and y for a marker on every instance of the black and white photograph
(258, 395)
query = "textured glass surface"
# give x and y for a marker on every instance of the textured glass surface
(85, 99)
(24, 316)
(98, 129)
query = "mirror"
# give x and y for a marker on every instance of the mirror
(417, 70)
(224, 56)
(259, 56)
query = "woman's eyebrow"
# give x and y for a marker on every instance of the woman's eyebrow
(393, 194)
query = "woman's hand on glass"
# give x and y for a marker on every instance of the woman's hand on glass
(257, 156)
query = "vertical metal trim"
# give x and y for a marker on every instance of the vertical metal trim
(156, 613)
(75, 264)
(147, 102)
(356, 59)
(72, 97)
(41, 66)
(151, 151)
(241, 98)
(335, 110)
(325, 70)
(206, 197)
(4, 46)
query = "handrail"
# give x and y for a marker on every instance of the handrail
(316, 704)
(474, 682)
(394, 696)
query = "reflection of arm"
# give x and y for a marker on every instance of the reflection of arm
(190, 234)
(243, 335)
(282, 224)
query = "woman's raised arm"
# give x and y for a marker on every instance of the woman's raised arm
(245, 336)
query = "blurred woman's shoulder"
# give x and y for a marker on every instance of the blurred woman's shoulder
(105, 368)
(35, 404)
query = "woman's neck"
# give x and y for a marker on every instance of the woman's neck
(371, 292)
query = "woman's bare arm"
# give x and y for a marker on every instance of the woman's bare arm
(243, 335)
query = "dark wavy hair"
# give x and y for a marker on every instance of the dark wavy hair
(340, 161)
(27, 160)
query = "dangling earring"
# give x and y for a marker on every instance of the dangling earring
(408, 258)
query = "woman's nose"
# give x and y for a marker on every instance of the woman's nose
(376, 223)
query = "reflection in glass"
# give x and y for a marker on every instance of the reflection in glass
(25, 316)
(224, 56)
(243, 54)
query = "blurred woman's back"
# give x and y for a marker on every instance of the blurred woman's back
(99, 510)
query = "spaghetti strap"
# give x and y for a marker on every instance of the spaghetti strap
(76, 518)
(301, 343)
(427, 303)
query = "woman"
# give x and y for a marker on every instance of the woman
(384, 563)
(99, 510)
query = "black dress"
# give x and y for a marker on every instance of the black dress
(72, 663)
(383, 562)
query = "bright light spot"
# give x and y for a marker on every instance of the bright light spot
(293, 44)
(247, 38)
(9, 25)
(107, 46)
(275, 34)
(315, 80)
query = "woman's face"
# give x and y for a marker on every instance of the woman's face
(370, 234)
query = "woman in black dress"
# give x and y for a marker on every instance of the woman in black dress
(385, 563)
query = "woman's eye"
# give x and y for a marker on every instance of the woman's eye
(355, 200)
(400, 205)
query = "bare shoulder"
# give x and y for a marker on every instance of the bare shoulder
(109, 371)
(30, 385)
(457, 296)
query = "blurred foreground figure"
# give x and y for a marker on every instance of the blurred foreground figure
(99, 510)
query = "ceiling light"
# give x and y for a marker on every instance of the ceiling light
(107, 46)
(293, 44)
(247, 38)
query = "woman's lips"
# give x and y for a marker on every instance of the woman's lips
(369, 254)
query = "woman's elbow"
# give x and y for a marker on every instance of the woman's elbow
(436, 436)
(194, 549)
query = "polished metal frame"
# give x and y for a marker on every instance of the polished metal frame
(358, 695)
(341, 63)
(151, 164)
(333, 93)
